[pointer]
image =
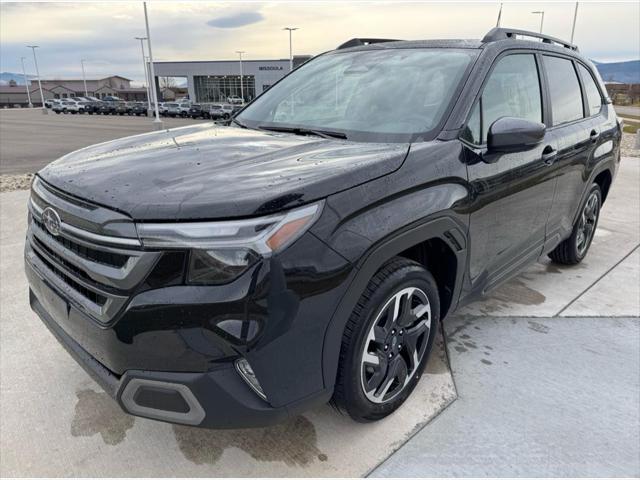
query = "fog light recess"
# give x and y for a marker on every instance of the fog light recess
(248, 375)
(172, 402)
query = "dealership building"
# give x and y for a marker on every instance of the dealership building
(216, 80)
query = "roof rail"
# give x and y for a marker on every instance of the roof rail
(496, 34)
(358, 42)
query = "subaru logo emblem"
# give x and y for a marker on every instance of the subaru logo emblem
(51, 221)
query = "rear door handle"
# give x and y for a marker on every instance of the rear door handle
(549, 155)
(594, 135)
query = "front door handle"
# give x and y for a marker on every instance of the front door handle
(549, 155)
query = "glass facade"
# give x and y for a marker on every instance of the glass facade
(218, 88)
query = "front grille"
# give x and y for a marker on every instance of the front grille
(98, 256)
(90, 295)
(83, 264)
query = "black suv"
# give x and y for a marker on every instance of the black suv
(231, 277)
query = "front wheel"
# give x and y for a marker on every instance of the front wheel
(573, 250)
(387, 341)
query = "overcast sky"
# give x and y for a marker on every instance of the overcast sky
(102, 32)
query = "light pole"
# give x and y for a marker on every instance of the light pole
(499, 15)
(84, 79)
(146, 77)
(240, 52)
(291, 29)
(541, 13)
(26, 82)
(575, 16)
(35, 61)
(157, 120)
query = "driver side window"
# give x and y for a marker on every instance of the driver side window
(512, 90)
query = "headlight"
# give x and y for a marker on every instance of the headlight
(223, 250)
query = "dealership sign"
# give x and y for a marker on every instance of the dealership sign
(270, 68)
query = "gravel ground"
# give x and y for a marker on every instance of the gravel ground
(9, 183)
(628, 143)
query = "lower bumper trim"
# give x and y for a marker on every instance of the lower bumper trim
(162, 405)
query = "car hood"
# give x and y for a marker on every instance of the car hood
(208, 172)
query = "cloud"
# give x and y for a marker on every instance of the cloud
(236, 20)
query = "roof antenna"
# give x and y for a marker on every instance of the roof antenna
(499, 16)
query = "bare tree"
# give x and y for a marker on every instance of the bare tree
(168, 82)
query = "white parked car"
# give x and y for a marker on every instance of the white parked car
(177, 109)
(235, 100)
(66, 106)
(220, 111)
(50, 102)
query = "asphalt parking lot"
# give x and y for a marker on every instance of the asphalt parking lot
(540, 379)
(30, 140)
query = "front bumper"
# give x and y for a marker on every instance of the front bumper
(171, 342)
(218, 398)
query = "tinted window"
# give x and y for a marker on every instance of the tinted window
(512, 90)
(594, 100)
(564, 89)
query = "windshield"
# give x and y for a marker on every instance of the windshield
(370, 95)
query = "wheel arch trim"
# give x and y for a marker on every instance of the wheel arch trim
(444, 228)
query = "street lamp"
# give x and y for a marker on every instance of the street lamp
(291, 29)
(35, 61)
(84, 79)
(146, 77)
(157, 120)
(575, 16)
(541, 13)
(26, 82)
(240, 52)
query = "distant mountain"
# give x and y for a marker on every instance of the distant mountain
(623, 72)
(6, 77)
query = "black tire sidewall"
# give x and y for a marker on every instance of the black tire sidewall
(359, 407)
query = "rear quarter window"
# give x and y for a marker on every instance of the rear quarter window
(592, 94)
(564, 90)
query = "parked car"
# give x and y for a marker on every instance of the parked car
(234, 277)
(108, 107)
(184, 108)
(66, 105)
(177, 109)
(235, 100)
(49, 103)
(220, 111)
(124, 108)
(139, 109)
(195, 111)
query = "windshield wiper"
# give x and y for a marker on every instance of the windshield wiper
(305, 131)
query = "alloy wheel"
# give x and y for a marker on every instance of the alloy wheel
(395, 345)
(587, 224)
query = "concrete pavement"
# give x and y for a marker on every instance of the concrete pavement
(554, 397)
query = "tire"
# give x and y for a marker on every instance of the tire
(573, 250)
(366, 390)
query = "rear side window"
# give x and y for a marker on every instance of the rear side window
(564, 90)
(594, 100)
(512, 90)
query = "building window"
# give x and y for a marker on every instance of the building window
(220, 87)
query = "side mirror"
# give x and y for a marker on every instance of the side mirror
(511, 134)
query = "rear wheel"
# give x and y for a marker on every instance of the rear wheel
(573, 250)
(387, 341)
